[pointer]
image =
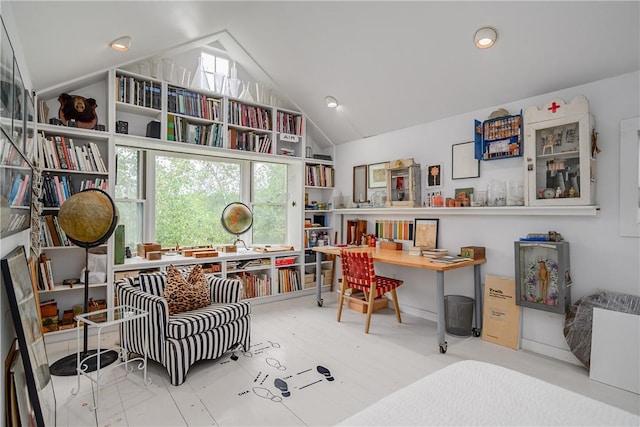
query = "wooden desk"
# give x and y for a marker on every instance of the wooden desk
(404, 259)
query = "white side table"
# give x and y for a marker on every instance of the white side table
(121, 315)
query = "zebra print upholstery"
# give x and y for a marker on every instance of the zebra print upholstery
(178, 341)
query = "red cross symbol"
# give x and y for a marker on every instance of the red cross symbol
(553, 107)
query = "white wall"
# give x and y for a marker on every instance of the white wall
(600, 258)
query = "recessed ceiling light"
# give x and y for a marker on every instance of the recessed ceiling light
(121, 44)
(485, 37)
(331, 101)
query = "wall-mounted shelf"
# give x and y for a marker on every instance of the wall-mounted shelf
(475, 211)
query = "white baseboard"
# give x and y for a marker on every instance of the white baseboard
(536, 347)
(547, 350)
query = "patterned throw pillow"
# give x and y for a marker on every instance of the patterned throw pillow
(186, 294)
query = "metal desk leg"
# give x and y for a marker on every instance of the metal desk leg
(477, 282)
(440, 295)
(319, 278)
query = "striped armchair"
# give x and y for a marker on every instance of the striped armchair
(179, 340)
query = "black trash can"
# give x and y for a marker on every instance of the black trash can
(458, 315)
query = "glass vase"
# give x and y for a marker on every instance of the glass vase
(200, 80)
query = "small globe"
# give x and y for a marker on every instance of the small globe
(237, 218)
(88, 218)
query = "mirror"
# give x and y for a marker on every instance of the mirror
(360, 184)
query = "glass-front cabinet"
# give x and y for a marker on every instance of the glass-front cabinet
(560, 148)
(543, 279)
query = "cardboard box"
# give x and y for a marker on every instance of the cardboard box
(357, 303)
(394, 246)
(501, 317)
(474, 252)
(143, 248)
(327, 277)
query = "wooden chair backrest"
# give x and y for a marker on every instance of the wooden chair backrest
(357, 268)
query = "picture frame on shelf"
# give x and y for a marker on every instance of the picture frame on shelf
(16, 276)
(359, 184)
(463, 161)
(377, 175)
(425, 234)
(434, 176)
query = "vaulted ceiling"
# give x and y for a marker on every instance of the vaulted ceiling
(390, 64)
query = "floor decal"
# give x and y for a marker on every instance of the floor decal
(282, 386)
(286, 385)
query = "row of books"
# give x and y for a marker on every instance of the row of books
(10, 156)
(59, 152)
(182, 101)
(249, 116)
(254, 285)
(319, 176)
(289, 280)
(45, 276)
(56, 189)
(20, 190)
(51, 233)
(181, 130)
(138, 92)
(249, 141)
(16, 221)
(290, 123)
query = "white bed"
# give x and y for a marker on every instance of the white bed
(477, 393)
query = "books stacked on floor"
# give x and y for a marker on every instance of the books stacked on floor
(432, 253)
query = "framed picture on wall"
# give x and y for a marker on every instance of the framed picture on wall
(434, 176)
(426, 233)
(16, 276)
(377, 174)
(359, 184)
(463, 161)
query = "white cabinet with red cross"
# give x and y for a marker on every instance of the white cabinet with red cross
(560, 145)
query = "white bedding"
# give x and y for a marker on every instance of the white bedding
(476, 393)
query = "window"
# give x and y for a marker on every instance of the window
(215, 65)
(269, 197)
(190, 194)
(129, 193)
(177, 199)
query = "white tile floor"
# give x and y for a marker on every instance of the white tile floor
(290, 339)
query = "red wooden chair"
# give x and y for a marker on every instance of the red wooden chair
(358, 273)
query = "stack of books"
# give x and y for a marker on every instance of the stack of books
(432, 253)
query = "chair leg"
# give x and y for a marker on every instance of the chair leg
(372, 296)
(343, 285)
(395, 305)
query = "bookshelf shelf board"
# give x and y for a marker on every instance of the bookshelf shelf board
(73, 171)
(138, 109)
(319, 187)
(317, 228)
(61, 288)
(196, 119)
(317, 211)
(72, 132)
(250, 129)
